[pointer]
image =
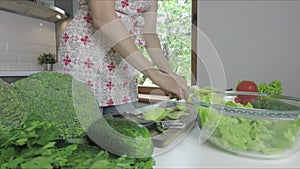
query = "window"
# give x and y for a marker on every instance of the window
(175, 32)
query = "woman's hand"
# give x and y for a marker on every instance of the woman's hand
(172, 83)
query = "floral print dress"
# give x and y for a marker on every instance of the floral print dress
(85, 54)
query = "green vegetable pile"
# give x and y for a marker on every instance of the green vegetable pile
(36, 144)
(44, 121)
(123, 137)
(50, 96)
(238, 134)
(272, 88)
(11, 106)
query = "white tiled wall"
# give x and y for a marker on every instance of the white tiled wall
(22, 40)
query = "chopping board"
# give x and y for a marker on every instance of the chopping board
(169, 136)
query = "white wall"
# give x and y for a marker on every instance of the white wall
(256, 40)
(22, 40)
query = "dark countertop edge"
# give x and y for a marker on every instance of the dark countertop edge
(17, 73)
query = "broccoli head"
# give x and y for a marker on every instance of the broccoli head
(61, 99)
(11, 107)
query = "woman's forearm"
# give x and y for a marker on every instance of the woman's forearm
(156, 53)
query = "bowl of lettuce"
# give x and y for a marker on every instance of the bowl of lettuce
(268, 127)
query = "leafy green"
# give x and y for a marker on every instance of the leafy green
(43, 121)
(34, 145)
(156, 114)
(246, 134)
(272, 88)
(59, 98)
(11, 107)
(175, 115)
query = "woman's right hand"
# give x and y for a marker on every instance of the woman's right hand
(172, 83)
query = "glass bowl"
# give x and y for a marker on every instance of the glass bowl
(248, 123)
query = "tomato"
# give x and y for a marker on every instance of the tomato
(246, 86)
(237, 100)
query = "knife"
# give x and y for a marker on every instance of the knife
(165, 103)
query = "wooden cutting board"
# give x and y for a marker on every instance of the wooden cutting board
(162, 140)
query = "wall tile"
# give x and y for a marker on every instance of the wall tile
(3, 66)
(18, 66)
(23, 39)
(2, 46)
(33, 66)
(28, 57)
(9, 57)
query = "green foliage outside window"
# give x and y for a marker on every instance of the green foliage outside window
(174, 31)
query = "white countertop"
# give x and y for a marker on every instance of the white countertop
(191, 154)
(17, 73)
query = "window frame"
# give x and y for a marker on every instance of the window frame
(149, 93)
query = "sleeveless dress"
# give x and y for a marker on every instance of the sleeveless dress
(85, 54)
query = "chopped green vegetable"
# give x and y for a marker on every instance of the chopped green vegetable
(181, 107)
(156, 114)
(175, 115)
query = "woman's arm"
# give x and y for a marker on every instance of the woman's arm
(106, 20)
(154, 48)
(152, 40)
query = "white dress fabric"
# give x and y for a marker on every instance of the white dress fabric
(85, 54)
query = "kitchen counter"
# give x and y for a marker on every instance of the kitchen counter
(191, 154)
(13, 73)
(10, 76)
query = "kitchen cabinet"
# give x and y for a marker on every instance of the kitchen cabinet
(191, 154)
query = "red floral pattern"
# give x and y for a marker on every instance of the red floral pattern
(124, 3)
(85, 40)
(87, 57)
(65, 37)
(111, 66)
(67, 60)
(89, 63)
(87, 18)
(110, 102)
(90, 84)
(110, 85)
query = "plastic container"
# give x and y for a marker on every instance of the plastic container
(266, 128)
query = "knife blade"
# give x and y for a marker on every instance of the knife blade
(165, 103)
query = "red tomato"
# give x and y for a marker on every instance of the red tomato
(246, 86)
(237, 100)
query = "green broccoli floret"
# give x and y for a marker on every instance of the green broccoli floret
(59, 98)
(11, 107)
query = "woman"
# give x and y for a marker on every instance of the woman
(100, 48)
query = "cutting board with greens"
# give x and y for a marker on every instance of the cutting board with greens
(171, 135)
(168, 122)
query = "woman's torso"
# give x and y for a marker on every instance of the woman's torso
(84, 53)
